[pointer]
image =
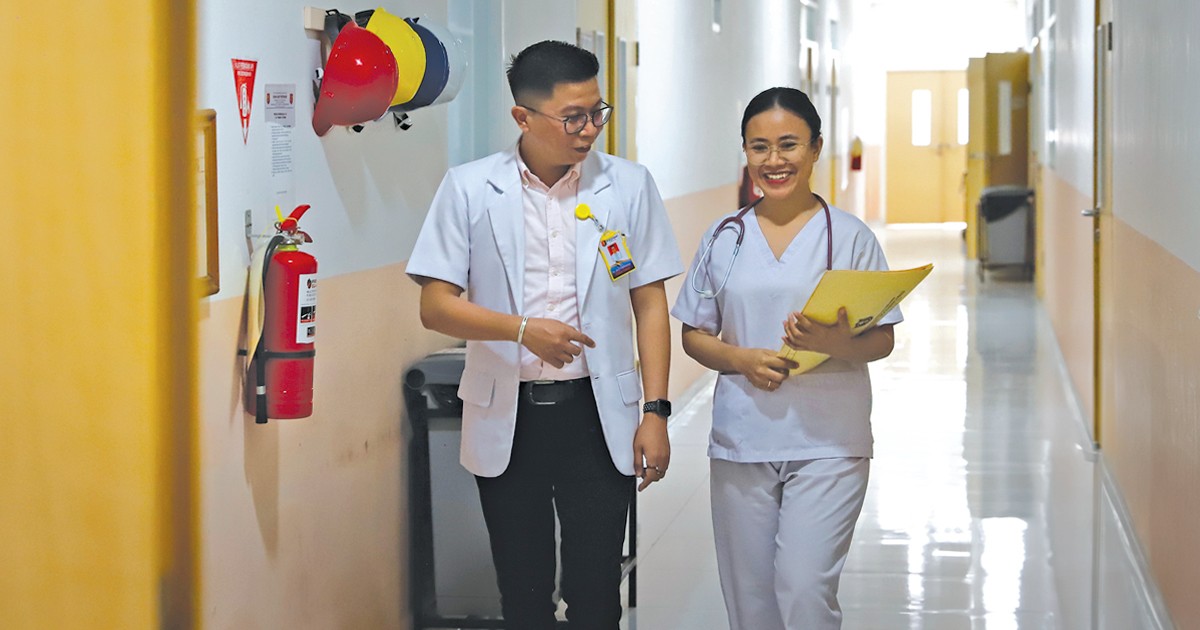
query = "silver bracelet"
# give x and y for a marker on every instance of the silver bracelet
(521, 331)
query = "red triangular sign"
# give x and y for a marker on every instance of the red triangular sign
(243, 82)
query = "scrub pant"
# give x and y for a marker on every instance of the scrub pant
(560, 462)
(782, 533)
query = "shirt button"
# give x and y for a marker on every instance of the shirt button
(554, 273)
(554, 233)
(550, 307)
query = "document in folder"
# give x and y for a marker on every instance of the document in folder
(867, 296)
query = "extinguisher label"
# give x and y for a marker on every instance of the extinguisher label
(306, 313)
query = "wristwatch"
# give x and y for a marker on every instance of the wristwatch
(660, 407)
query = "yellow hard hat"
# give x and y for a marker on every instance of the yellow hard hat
(406, 47)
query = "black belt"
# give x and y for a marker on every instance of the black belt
(554, 392)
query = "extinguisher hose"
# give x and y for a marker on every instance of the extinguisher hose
(260, 358)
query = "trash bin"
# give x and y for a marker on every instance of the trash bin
(453, 578)
(452, 575)
(1006, 228)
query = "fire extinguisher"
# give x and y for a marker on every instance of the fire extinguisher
(279, 381)
(856, 154)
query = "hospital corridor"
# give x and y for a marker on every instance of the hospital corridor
(982, 491)
(580, 360)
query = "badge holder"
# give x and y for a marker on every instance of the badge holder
(613, 248)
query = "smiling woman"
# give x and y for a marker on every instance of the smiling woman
(803, 449)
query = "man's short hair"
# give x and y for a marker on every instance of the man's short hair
(533, 72)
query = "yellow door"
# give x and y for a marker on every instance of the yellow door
(98, 481)
(832, 146)
(624, 32)
(977, 148)
(608, 28)
(925, 160)
(1007, 106)
(998, 146)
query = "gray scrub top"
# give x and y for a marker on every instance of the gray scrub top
(819, 414)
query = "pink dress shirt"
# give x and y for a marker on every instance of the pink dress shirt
(550, 290)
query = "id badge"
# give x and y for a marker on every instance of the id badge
(616, 255)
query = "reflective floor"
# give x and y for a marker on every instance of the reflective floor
(971, 420)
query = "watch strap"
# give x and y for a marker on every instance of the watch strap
(661, 407)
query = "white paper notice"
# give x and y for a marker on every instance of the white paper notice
(281, 163)
(281, 104)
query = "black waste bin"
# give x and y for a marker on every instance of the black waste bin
(1006, 233)
(452, 576)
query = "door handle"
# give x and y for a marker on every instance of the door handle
(1090, 212)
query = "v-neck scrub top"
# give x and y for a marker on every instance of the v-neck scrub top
(823, 413)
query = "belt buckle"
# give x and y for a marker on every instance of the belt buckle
(533, 399)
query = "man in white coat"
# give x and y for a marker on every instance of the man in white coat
(551, 421)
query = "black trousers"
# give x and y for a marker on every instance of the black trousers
(560, 462)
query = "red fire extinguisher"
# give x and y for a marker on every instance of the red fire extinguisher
(280, 379)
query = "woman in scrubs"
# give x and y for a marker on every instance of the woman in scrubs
(789, 455)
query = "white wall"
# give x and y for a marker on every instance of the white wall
(305, 523)
(1073, 51)
(689, 95)
(694, 83)
(369, 191)
(1156, 62)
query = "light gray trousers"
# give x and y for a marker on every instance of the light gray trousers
(782, 533)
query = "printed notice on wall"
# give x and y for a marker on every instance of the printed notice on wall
(281, 163)
(281, 104)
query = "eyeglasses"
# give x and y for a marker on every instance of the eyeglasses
(759, 152)
(575, 123)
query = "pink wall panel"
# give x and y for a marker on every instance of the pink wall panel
(1153, 437)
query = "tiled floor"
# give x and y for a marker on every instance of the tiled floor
(970, 416)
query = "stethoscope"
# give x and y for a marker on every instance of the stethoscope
(736, 224)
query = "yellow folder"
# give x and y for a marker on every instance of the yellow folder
(867, 296)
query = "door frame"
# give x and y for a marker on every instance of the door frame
(1102, 215)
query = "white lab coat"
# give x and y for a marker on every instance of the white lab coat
(474, 238)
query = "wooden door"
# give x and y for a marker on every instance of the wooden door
(925, 154)
(98, 456)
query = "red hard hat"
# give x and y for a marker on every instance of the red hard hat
(359, 81)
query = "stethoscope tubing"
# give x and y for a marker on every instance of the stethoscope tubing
(738, 225)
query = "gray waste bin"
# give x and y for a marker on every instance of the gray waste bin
(1006, 228)
(452, 574)
(453, 578)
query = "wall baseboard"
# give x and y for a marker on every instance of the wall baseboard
(1125, 594)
